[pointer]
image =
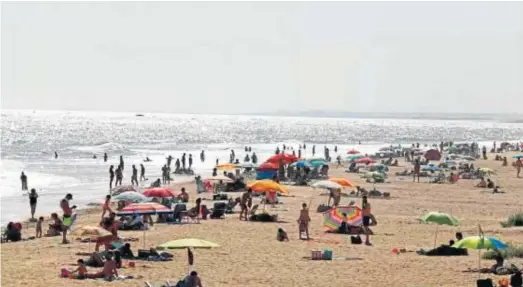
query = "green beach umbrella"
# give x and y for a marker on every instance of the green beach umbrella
(479, 243)
(440, 219)
(131, 196)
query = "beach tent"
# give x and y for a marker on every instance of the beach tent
(433, 154)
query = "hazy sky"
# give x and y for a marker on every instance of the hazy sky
(227, 57)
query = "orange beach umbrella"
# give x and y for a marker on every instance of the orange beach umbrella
(266, 185)
(342, 181)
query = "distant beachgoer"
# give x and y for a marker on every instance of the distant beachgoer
(417, 170)
(23, 178)
(313, 150)
(335, 148)
(119, 176)
(94, 156)
(134, 177)
(121, 163)
(183, 196)
(254, 158)
(282, 235)
(105, 157)
(190, 161)
(202, 156)
(519, 165)
(111, 176)
(177, 165)
(81, 270)
(367, 215)
(39, 227)
(303, 221)
(33, 198)
(217, 161)
(67, 214)
(55, 155)
(169, 160)
(142, 172)
(183, 161)
(245, 204)
(107, 206)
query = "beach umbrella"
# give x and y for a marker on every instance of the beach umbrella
(93, 232)
(487, 171)
(248, 165)
(366, 160)
(119, 189)
(131, 196)
(226, 166)
(440, 219)
(353, 157)
(353, 151)
(333, 217)
(318, 163)
(266, 185)
(301, 163)
(479, 243)
(268, 166)
(379, 167)
(286, 158)
(326, 184)
(217, 178)
(144, 208)
(311, 159)
(374, 175)
(430, 168)
(159, 192)
(342, 181)
(518, 156)
(188, 243)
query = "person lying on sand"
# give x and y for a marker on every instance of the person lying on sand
(245, 204)
(303, 221)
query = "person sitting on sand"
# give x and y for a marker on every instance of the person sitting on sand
(281, 235)
(245, 204)
(490, 183)
(505, 161)
(192, 280)
(183, 196)
(499, 261)
(110, 268)
(81, 270)
(56, 227)
(482, 183)
(12, 233)
(303, 221)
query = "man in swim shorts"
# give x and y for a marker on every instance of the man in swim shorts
(245, 204)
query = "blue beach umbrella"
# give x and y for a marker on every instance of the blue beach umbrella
(353, 157)
(319, 163)
(430, 168)
(301, 163)
(518, 156)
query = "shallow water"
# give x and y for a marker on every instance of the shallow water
(29, 140)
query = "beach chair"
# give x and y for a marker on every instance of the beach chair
(218, 210)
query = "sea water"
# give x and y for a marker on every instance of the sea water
(30, 138)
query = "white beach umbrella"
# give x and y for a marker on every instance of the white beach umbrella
(326, 184)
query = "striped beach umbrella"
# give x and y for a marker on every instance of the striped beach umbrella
(144, 208)
(333, 217)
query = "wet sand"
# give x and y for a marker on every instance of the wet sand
(250, 255)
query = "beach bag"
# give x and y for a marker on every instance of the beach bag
(355, 240)
(485, 283)
(64, 273)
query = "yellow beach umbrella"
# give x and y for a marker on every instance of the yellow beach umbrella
(226, 166)
(266, 185)
(187, 243)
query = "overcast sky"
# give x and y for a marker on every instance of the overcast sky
(229, 57)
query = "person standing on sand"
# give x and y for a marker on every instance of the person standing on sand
(417, 170)
(111, 176)
(107, 206)
(67, 214)
(367, 215)
(303, 221)
(33, 198)
(134, 177)
(519, 164)
(190, 161)
(105, 157)
(245, 204)
(23, 178)
(121, 163)
(142, 172)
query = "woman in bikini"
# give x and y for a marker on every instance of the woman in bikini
(245, 204)
(367, 216)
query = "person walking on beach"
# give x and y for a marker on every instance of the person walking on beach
(303, 221)
(245, 204)
(134, 177)
(121, 163)
(33, 198)
(67, 215)
(142, 172)
(367, 215)
(519, 165)
(23, 178)
(111, 176)
(417, 170)
(119, 176)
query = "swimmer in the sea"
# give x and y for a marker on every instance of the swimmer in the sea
(55, 155)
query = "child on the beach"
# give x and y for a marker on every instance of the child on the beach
(282, 235)
(39, 227)
(82, 270)
(303, 221)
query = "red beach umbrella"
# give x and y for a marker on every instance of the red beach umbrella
(353, 151)
(159, 192)
(287, 158)
(268, 166)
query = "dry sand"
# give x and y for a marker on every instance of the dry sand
(250, 256)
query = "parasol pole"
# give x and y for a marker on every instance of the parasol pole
(436, 235)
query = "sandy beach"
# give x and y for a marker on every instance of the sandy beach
(249, 254)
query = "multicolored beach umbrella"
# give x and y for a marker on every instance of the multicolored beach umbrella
(144, 208)
(333, 218)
